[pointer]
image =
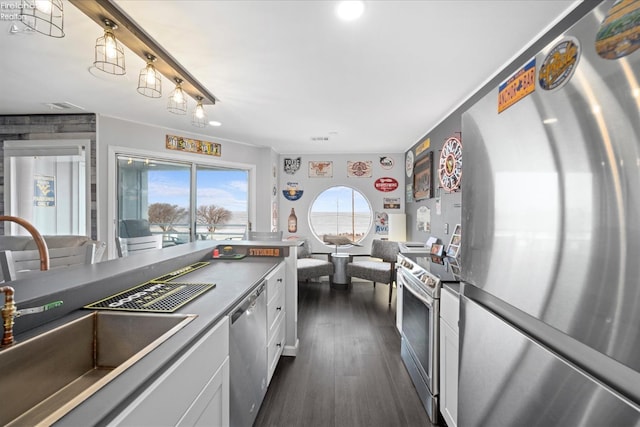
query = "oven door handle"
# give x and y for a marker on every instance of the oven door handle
(424, 298)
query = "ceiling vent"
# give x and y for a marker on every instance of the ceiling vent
(319, 138)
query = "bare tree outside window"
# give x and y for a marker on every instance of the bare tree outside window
(212, 215)
(164, 215)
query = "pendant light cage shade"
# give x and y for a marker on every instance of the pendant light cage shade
(149, 81)
(178, 100)
(199, 116)
(109, 53)
(43, 16)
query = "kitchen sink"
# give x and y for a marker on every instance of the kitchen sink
(43, 378)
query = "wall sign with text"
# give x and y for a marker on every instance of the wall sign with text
(386, 184)
(193, 146)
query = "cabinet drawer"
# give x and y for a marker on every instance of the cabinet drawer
(275, 281)
(450, 308)
(275, 310)
(276, 345)
(168, 398)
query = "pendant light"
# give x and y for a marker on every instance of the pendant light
(44, 16)
(149, 81)
(109, 52)
(199, 117)
(177, 99)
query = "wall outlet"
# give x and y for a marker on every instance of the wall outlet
(446, 228)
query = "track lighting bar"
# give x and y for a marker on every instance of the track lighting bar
(139, 42)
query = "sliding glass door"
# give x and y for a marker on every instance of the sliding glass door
(221, 203)
(182, 201)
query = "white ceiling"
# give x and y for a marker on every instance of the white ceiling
(287, 71)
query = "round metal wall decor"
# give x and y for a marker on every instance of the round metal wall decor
(450, 164)
(559, 64)
(408, 164)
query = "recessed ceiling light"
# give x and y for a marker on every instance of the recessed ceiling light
(350, 10)
(214, 123)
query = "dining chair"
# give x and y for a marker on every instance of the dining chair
(134, 228)
(380, 268)
(134, 245)
(312, 265)
(18, 264)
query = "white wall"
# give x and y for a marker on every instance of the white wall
(313, 186)
(116, 136)
(266, 173)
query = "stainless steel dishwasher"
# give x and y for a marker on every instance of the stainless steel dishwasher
(248, 357)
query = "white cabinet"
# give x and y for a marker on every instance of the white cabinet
(275, 317)
(193, 391)
(449, 315)
(399, 300)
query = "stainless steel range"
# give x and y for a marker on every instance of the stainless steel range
(419, 281)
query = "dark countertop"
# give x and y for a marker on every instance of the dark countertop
(86, 284)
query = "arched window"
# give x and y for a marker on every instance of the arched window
(340, 214)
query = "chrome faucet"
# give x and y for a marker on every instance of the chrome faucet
(10, 311)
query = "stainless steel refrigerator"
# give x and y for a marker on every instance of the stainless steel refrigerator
(550, 301)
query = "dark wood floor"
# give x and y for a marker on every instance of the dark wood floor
(348, 370)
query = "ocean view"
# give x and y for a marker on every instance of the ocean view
(343, 224)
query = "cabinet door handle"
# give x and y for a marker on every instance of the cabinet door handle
(278, 308)
(279, 280)
(278, 344)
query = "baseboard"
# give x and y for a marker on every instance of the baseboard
(291, 350)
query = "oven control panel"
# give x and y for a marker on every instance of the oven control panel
(429, 280)
(421, 278)
(406, 263)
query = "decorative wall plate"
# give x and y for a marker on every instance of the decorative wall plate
(408, 165)
(450, 165)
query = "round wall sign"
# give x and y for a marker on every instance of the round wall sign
(559, 65)
(408, 164)
(450, 165)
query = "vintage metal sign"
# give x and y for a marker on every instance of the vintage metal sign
(386, 162)
(359, 169)
(382, 223)
(320, 169)
(386, 184)
(44, 191)
(291, 166)
(391, 202)
(521, 84)
(424, 145)
(408, 164)
(619, 33)
(559, 65)
(193, 146)
(293, 191)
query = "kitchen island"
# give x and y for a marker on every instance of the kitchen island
(77, 287)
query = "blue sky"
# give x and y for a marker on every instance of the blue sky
(225, 188)
(340, 197)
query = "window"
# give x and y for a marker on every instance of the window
(340, 211)
(169, 198)
(47, 185)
